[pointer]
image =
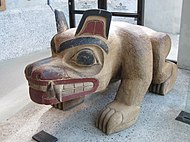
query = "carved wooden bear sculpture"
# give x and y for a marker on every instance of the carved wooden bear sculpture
(84, 60)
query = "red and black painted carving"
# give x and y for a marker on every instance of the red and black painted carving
(86, 60)
(94, 27)
(97, 26)
(83, 41)
(56, 79)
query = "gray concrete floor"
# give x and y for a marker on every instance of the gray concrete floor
(156, 122)
(20, 118)
(13, 85)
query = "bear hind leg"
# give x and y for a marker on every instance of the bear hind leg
(164, 72)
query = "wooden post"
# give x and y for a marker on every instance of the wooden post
(2, 5)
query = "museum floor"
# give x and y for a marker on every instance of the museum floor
(20, 118)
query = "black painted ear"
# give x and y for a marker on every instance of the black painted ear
(61, 22)
(95, 22)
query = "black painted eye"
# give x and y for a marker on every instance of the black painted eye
(85, 57)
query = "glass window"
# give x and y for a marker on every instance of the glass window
(122, 6)
(86, 4)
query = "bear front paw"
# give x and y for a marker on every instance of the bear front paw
(116, 117)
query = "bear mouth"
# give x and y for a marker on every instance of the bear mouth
(51, 92)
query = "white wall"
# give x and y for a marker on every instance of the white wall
(184, 43)
(163, 15)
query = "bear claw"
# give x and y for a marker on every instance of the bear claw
(116, 117)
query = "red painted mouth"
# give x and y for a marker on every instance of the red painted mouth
(51, 92)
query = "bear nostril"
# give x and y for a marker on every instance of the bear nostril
(50, 75)
(46, 74)
(35, 74)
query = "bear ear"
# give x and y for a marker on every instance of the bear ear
(61, 22)
(95, 22)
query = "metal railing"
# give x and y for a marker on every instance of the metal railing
(102, 4)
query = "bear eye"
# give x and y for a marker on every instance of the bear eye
(85, 57)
